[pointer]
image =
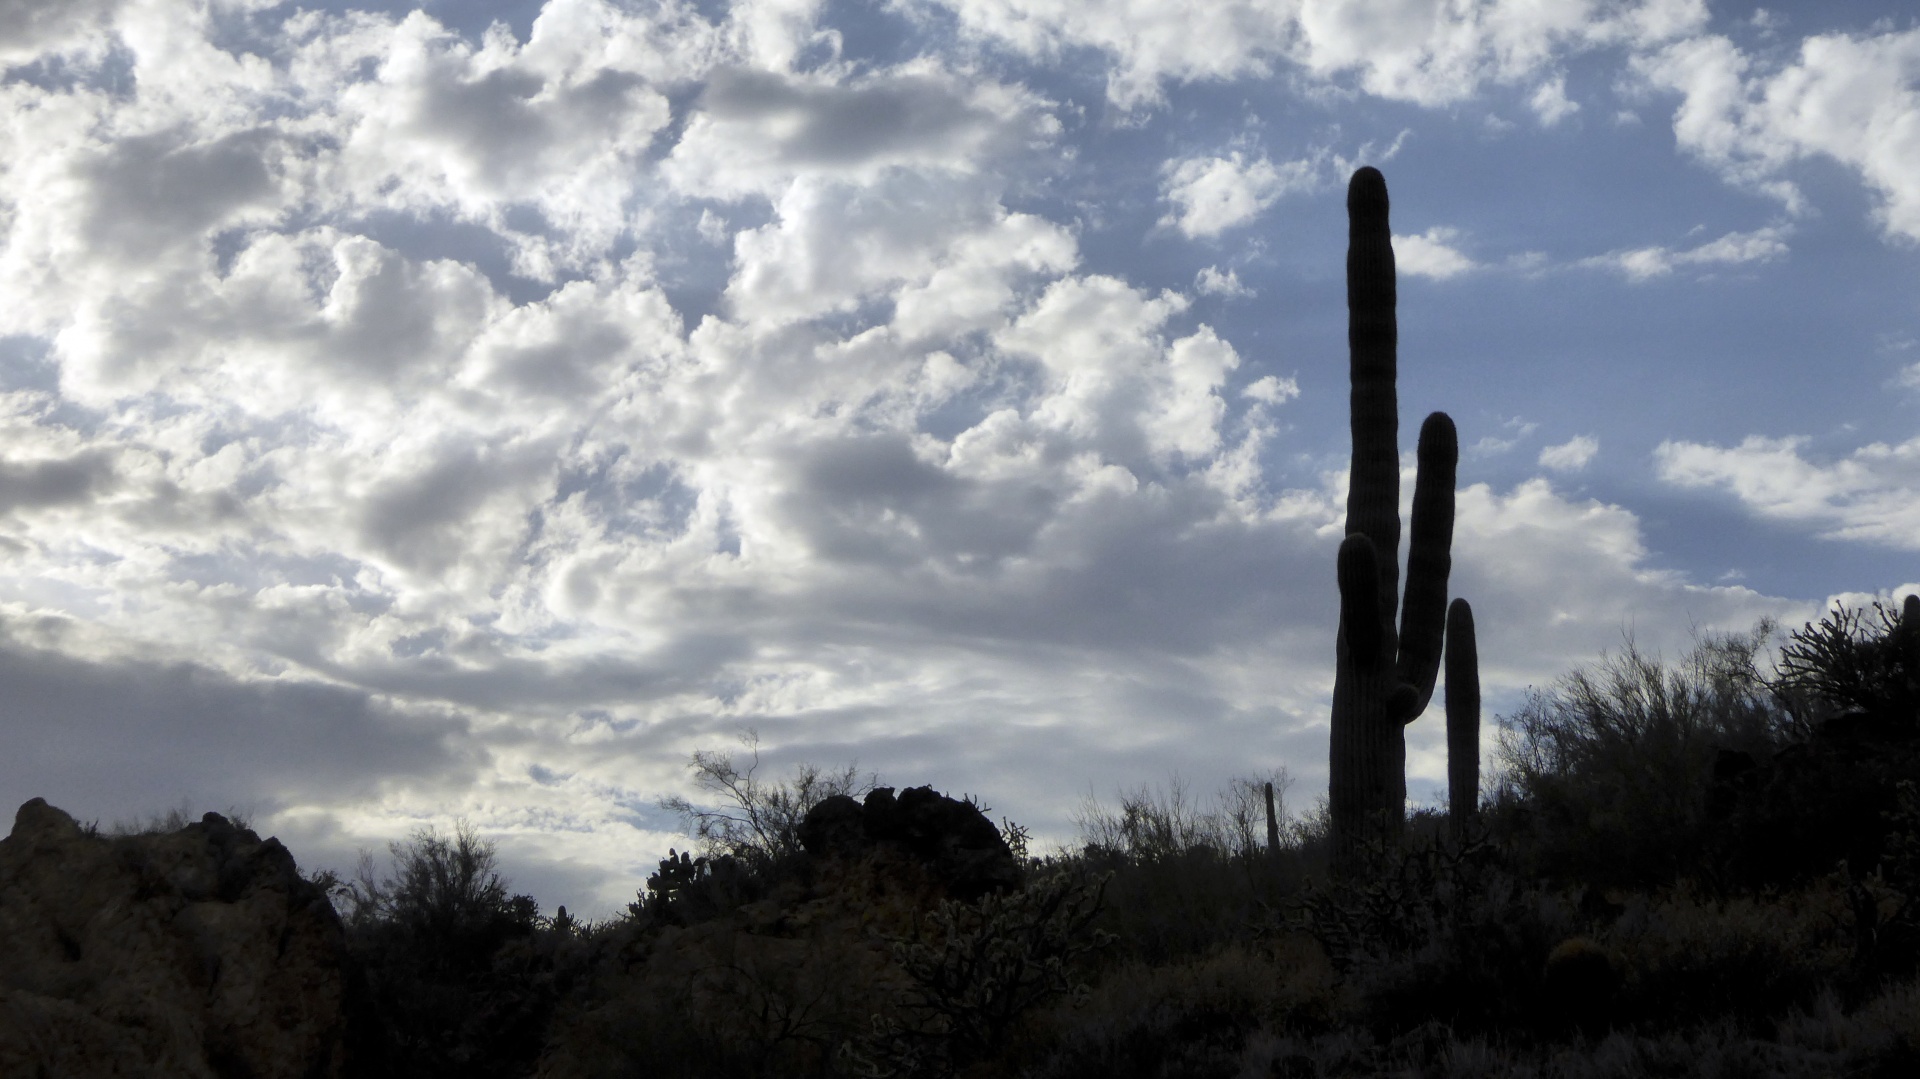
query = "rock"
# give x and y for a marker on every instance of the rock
(199, 953)
(834, 826)
(952, 839)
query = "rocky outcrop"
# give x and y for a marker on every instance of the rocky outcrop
(197, 953)
(952, 839)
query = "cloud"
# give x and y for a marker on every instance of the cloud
(1550, 102)
(1422, 53)
(1491, 445)
(1272, 390)
(1848, 98)
(1733, 249)
(1210, 281)
(754, 132)
(483, 425)
(1867, 496)
(1429, 254)
(1214, 194)
(35, 28)
(1515, 557)
(1570, 456)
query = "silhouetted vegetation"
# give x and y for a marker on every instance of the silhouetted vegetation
(1696, 867)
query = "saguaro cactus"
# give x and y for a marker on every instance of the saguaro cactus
(1383, 679)
(1273, 825)
(1463, 719)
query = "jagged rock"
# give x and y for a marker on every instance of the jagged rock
(953, 839)
(199, 953)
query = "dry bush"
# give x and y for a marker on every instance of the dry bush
(759, 823)
(1611, 766)
(770, 989)
(1194, 1017)
(1693, 959)
(1185, 878)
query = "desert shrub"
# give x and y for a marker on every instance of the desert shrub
(433, 967)
(1189, 1019)
(160, 824)
(1884, 902)
(686, 890)
(1880, 1037)
(1184, 879)
(771, 989)
(1612, 765)
(760, 824)
(1434, 930)
(1692, 958)
(975, 970)
(1827, 795)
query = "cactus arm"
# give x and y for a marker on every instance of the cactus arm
(1373, 483)
(1429, 560)
(1358, 573)
(1463, 716)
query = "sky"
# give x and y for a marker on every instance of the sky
(466, 411)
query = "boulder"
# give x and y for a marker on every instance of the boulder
(952, 839)
(198, 953)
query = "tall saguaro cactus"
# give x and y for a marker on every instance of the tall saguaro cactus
(1383, 679)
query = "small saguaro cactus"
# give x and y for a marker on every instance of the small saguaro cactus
(1383, 679)
(1463, 719)
(1273, 824)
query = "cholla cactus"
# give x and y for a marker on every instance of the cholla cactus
(1383, 679)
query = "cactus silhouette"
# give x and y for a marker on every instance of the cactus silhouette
(1383, 679)
(1463, 719)
(1273, 824)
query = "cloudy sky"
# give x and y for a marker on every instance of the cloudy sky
(470, 409)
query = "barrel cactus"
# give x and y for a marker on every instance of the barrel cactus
(1580, 982)
(1383, 679)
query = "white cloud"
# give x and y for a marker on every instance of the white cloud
(1210, 281)
(1518, 558)
(1550, 102)
(1272, 390)
(1214, 194)
(1733, 249)
(1868, 495)
(1570, 456)
(1429, 54)
(1849, 98)
(1430, 254)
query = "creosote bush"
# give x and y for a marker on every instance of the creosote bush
(1612, 764)
(977, 970)
(451, 979)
